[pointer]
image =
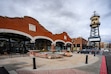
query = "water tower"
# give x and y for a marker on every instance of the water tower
(94, 39)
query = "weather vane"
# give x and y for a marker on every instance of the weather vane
(94, 12)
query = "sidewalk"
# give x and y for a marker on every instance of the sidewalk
(21, 64)
(59, 71)
(94, 67)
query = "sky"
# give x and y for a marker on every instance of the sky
(57, 16)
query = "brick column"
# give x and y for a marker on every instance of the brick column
(31, 51)
(53, 47)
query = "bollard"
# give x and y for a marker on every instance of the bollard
(94, 53)
(34, 63)
(86, 59)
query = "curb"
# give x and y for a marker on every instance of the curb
(103, 68)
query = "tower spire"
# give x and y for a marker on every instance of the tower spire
(94, 13)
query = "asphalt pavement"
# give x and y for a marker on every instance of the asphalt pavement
(108, 61)
(94, 68)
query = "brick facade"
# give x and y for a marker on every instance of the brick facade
(31, 28)
(79, 43)
(22, 24)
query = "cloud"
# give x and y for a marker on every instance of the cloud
(71, 16)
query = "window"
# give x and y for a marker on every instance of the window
(65, 37)
(78, 45)
(32, 27)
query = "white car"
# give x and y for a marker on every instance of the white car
(106, 50)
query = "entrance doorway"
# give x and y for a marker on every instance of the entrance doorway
(43, 44)
(13, 43)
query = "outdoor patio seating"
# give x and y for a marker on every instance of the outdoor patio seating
(42, 55)
(50, 55)
(68, 54)
(54, 56)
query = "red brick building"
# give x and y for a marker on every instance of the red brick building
(79, 43)
(24, 33)
(105, 45)
(102, 45)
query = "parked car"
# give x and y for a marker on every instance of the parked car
(85, 51)
(106, 50)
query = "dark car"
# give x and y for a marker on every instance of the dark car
(85, 51)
